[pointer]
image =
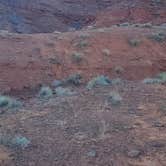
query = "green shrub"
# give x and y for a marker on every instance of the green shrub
(82, 44)
(115, 98)
(20, 142)
(100, 80)
(77, 57)
(74, 79)
(14, 142)
(162, 77)
(45, 92)
(118, 69)
(9, 103)
(157, 1)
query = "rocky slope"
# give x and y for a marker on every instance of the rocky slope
(128, 52)
(27, 16)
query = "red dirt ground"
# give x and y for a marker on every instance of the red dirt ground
(29, 60)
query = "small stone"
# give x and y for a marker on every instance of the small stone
(134, 153)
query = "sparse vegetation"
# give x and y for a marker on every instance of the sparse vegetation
(45, 92)
(9, 103)
(100, 80)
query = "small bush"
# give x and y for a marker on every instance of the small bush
(74, 79)
(64, 92)
(162, 77)
(77, 57)
(134, 42)
(9, 103)
(20, 142)
(14, 142)
(82, 44)
(115, 98)
(45, 92)
(100, 80)
(159, 37)
(118, 69)
(159, 79)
